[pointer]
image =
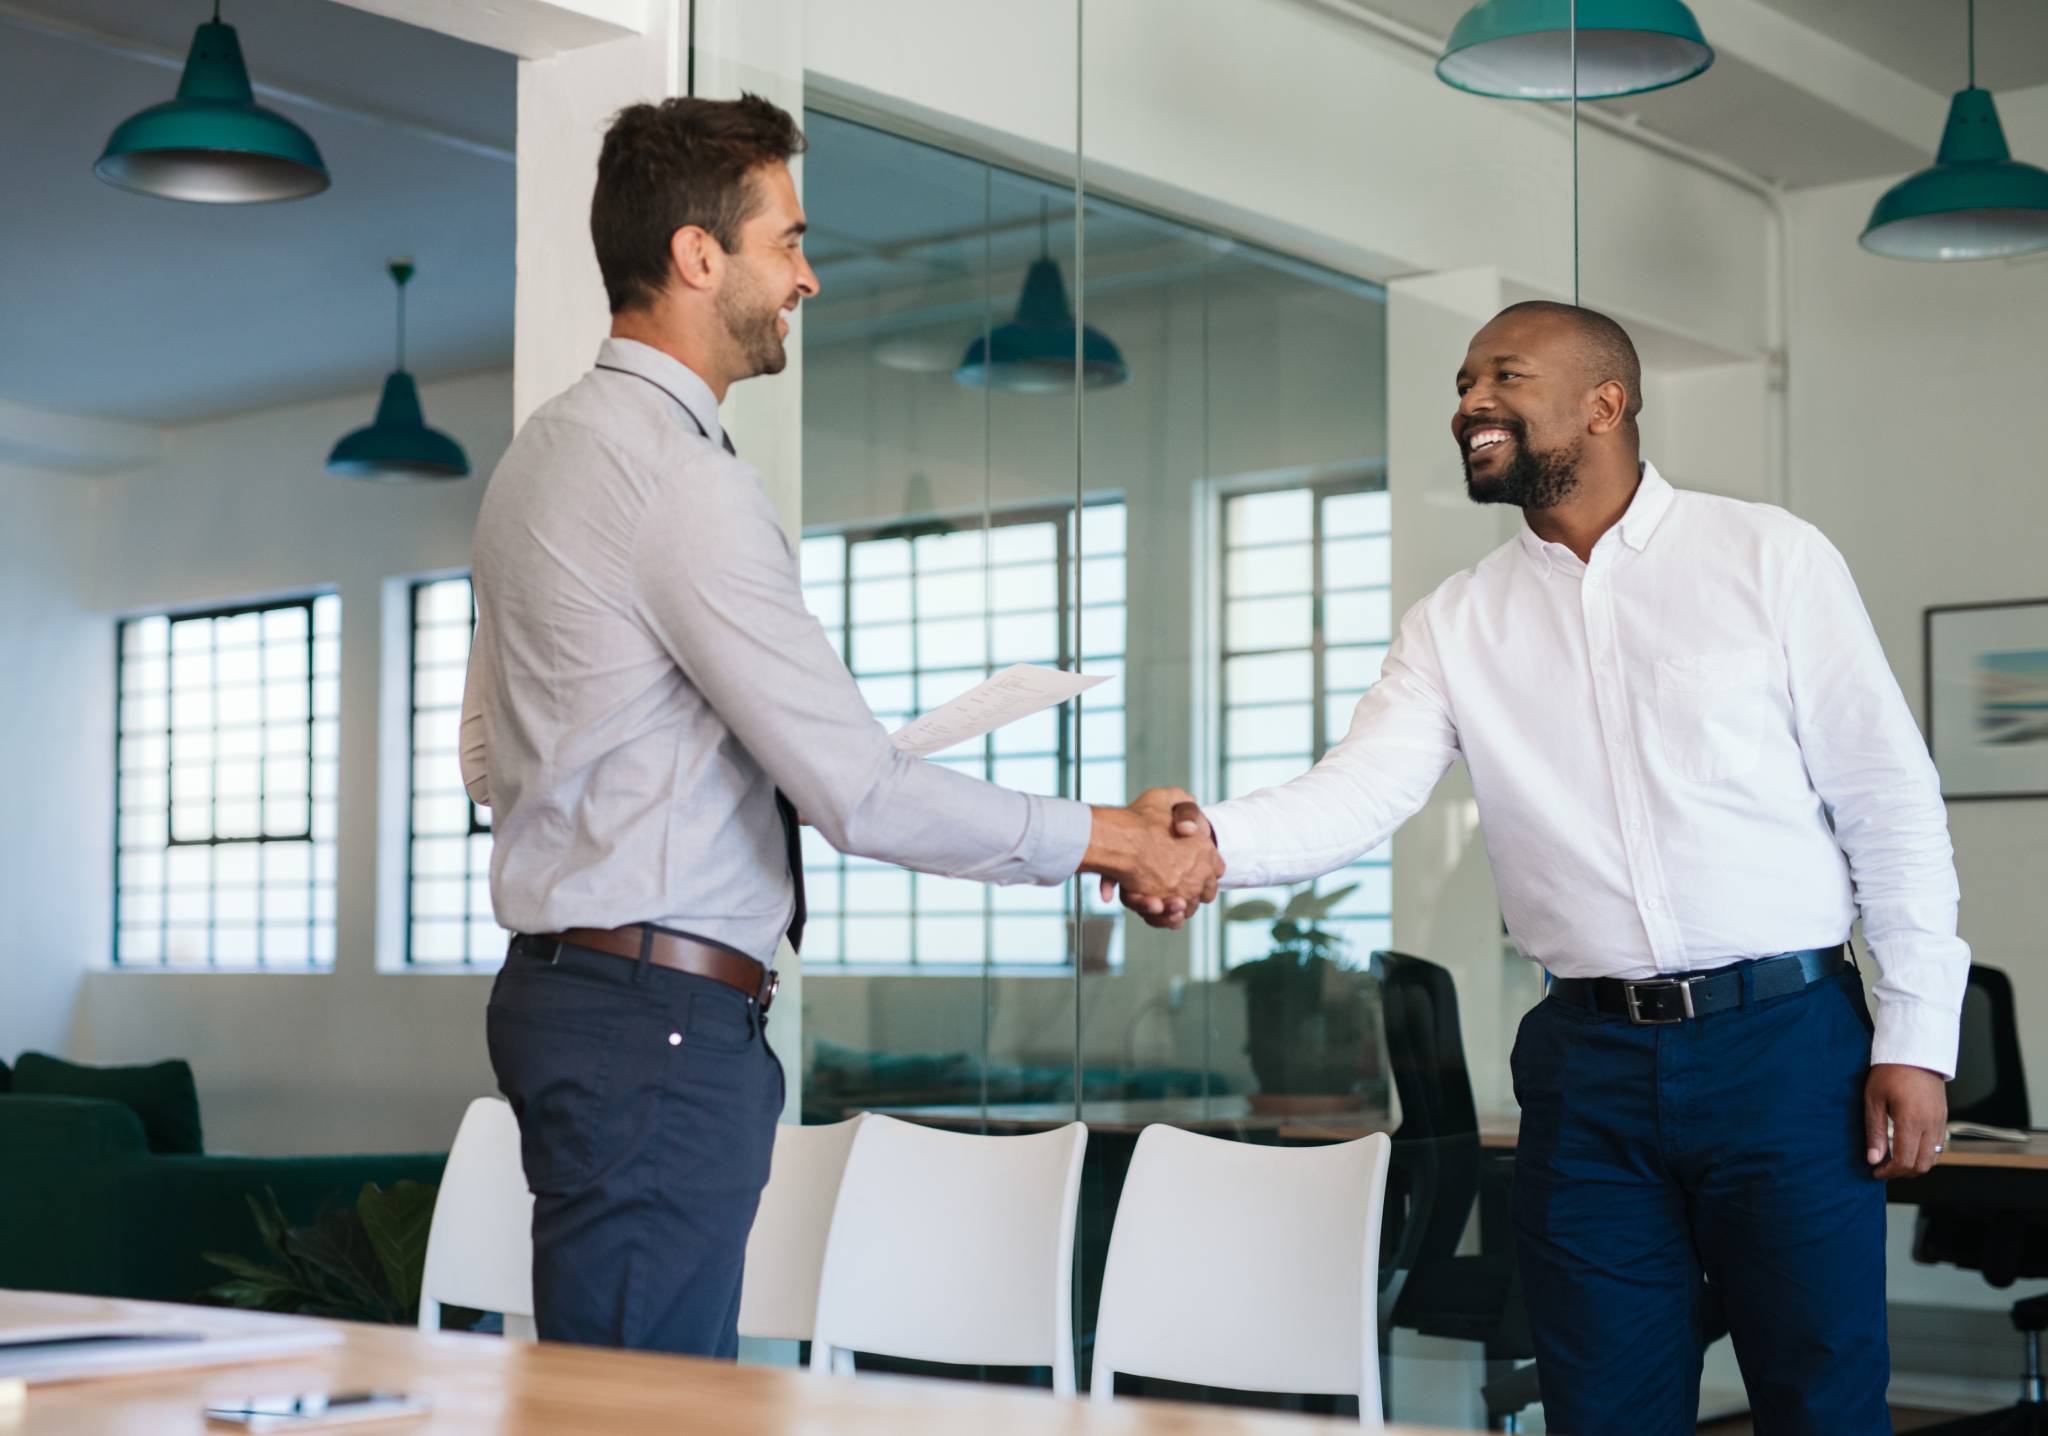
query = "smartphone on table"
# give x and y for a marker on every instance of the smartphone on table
(315, 1410)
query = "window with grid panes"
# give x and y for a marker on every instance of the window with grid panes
(1306, 623)
(448, 874)
(921, 613)
(226, 772)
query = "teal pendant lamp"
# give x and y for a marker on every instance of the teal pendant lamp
(1522, 49)
(399, 447)
(1977, 202)
(1034, 353)
(213, 144)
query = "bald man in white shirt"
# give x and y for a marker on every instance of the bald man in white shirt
(1695, 770)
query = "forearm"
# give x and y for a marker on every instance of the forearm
(1324, 820)
(933, 819)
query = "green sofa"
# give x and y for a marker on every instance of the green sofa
(111, 1194)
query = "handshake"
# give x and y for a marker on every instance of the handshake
(1160, 851)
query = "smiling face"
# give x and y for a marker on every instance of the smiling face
(1524, 402)
(766, 276)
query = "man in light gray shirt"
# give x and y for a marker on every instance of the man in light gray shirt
(649, 705)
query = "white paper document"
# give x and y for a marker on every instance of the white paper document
(1017, 692)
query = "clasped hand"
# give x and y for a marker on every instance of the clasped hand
(1160, 852)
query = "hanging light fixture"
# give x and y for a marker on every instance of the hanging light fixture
(1522, 49)
(213, 144)
(1977, 202)
(399, 446)
(1034, 353)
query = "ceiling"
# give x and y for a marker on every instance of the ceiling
(137, 309)
(125, 306)
(1813, 92)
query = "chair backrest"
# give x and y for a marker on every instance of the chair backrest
(786, 1249)
(951, 1247)
(1426, 1047)
(1249, 1267)
(480, 1247)
(1437, 1151)
(1990, 1084)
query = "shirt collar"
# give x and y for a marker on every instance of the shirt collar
(679, 379)
(1652, 502)
(1645, 511)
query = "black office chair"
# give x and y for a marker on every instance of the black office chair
(2004, 1243)
(1439, 1171)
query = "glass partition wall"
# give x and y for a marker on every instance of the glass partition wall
(1214, 545)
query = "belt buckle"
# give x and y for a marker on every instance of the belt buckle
(1632, 994)
(771, 985)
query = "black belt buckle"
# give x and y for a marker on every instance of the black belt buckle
(1632, 993)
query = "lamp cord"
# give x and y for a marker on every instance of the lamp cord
(401, 324)
(1973, 42)
(1575, 150)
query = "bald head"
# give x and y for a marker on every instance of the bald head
(1600, 347)
(1547, 397)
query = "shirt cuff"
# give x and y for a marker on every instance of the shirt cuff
(1056, 835)
(1916, 1034)
(1235, 846)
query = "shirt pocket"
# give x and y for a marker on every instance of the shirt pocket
(1711, 712)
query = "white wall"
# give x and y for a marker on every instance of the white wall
(56, 682)
(1914, 393)
(348, 1060)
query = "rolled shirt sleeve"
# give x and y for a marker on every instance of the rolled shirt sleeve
(717, 582)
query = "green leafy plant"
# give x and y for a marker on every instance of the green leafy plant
(356, 1263)
(1310, 1024)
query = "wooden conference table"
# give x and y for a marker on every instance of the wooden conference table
(1988, 1163)
(482, 1384)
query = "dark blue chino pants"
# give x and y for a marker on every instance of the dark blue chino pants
(647, 1102)
(1730, 1147)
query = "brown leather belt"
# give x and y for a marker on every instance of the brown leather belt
(678, 953)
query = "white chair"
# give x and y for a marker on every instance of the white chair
(955, 1248)
(1252, 1268)
(480, 1247)
(786, 1249)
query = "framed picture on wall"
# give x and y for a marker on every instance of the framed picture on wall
(1987, 698)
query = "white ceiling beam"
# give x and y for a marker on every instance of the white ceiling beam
(1838, 74)
(129, 47)
(75, 443)
(530, 29)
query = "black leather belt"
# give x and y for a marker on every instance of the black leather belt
(679, 952)
(1653, 1001)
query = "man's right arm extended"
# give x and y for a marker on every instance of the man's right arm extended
(718, 584)
(1402, 738)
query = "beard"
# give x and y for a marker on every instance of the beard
(1531, 480)
(750, 316)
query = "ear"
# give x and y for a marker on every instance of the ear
(1608, 407)
(697, 260)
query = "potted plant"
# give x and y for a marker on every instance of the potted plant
(1310, 1014)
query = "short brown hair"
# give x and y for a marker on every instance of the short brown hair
(674, 164)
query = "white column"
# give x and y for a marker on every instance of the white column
(756, 47)
(565, 102)
(1445, 908)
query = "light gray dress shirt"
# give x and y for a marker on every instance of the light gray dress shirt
(645, 676)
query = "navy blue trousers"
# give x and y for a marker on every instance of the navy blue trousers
(647, 1102)
(1729, 1149)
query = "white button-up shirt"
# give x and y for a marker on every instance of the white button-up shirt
(1687, 751)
